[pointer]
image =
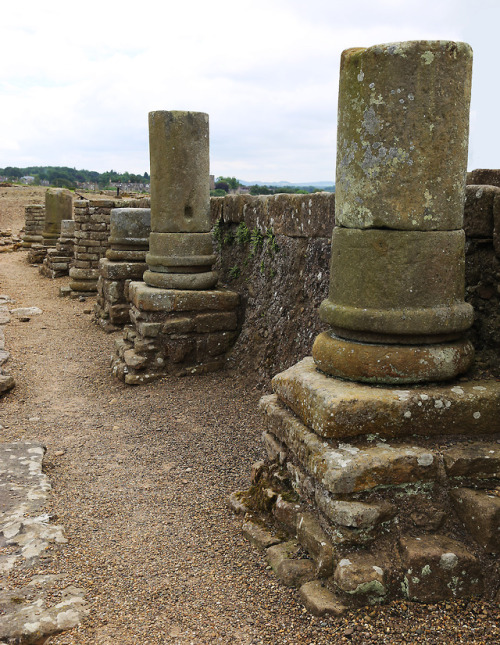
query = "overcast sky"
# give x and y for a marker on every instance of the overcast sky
(77, 80)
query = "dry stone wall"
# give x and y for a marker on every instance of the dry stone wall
(92, 219)
(275, 252)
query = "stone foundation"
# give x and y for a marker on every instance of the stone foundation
(57, 261)
(37, 253)
(112, 308)
(34, 216)
(175, 332)
(92, 227)
(377, 493)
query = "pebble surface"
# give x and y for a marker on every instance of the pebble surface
(141, 477)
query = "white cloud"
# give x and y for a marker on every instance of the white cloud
(77, 81)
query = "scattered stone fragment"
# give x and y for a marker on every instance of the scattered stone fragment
(258, 535)
(361, 575)
(292, 572)
(319, 600)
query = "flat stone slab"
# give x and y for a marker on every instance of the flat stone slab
(347, 468)
(148, 298)
(479, 459)
(42, 607)
(479, 510)
(336, 408)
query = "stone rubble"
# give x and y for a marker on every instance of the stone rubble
(7, 381)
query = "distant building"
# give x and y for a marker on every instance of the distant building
(27, 179)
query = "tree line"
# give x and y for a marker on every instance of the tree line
(224, 185)
(70, 177)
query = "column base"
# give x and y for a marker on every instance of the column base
(175, 332)
(360, 478)
(391, 364)
(191, 281)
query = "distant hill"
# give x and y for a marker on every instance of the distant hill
(287, 184)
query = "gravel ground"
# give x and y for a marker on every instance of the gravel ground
(140, 480)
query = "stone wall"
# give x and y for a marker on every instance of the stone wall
(275, 252)
(91, 238)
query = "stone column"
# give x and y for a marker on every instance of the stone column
(180, 245)
(396, 305)
(58, 206)
(129, 231)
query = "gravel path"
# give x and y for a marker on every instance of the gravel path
(140, 480)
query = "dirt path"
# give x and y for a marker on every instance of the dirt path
(141, 490)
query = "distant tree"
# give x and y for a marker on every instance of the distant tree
(222, 185)
(218, 192)
(231, 181)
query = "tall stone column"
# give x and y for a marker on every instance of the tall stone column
(396, 305)
(180, 254)
(358, 474)
(58, 206)
(181, 322)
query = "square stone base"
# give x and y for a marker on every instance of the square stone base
(112, 309)
(175, 332)
(393, 493)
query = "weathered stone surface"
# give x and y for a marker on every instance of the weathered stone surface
(392, 112)
(353, 514)
(180, 191)
(129, 228)
(274, 448)
(7, 382)
(260, 537)
(317, 543)
(147, 298)
(211, 322)
(479, 510)
(397, 283)
(181, 281)
(348, 469)
(391, 364)
(286, 513)
(112, 270)
(481, 176)
(478, 210)
(319, 600)
(438, 568)
(293, 573)
(33, 613)
(335, 408)
(496, 226)
(58, 206)
(361, 575)
(480, 459)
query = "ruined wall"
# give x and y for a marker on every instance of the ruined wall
(275, 251)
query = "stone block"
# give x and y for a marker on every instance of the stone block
(353, 514)
(293, 573)
(385, 176)
(148, 329)
(152, 299)
(319, 601)
(478, 210)
(481, 176)
(313, 538)
(397, 282)
(178, 325)
(438, 568)
(480, 459)
(496, 225)
(286, 513)
(211, 322)
(360, 574)
(121, 270)
(260, 537)
(347, 468)
(335, 408)
(479, 510)
(274, 448)
(310, 215)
